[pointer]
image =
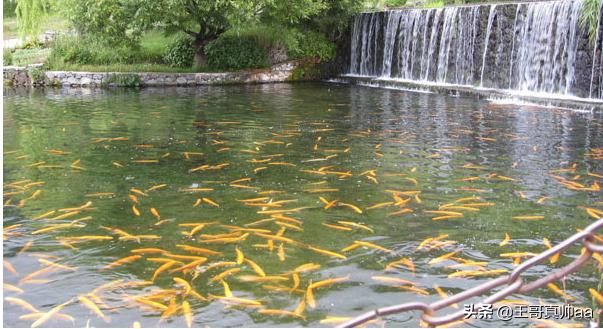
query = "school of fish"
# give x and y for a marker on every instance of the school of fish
(212, 259)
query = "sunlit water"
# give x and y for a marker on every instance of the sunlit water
(378, 141)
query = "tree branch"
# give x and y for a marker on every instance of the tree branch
(191, 33)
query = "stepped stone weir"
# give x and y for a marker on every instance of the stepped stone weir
(532, 47)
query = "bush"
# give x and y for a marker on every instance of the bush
(236, 52)
(35, 73)
(298, 44)
(91, 51)
(312, 44)
(7, 57)
(181, 52)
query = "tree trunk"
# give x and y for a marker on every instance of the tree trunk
(200, 59)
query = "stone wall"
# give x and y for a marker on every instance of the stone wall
(36, 76)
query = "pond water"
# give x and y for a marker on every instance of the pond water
(268, 178)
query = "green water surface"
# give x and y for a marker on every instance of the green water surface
(404, 141)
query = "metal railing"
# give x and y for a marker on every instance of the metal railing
(514, 283)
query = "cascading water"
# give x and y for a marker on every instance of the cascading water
(529, 47)
(596, 77)
(488, 33)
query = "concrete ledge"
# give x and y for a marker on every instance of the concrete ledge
(548, 100)
(35, 76)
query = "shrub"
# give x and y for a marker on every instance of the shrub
(267, 35)
(181, 52)
(312, 44)
(7, 57)
(298, 44)
(35, 73)
(106, 54)
(71, 50)
(236, 52)
(92, 51)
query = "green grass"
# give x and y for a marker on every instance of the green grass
(22, 57)
(155, 43)
(129, 68)
(434, 4)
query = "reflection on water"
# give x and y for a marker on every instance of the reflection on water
(288, 174)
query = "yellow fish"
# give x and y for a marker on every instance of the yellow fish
(93, 307)
(505, 240)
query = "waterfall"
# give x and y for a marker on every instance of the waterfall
(598, 45)
(487, 41)
(529, 47)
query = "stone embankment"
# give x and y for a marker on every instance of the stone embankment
(36, 76)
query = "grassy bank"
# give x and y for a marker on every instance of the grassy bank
(138, 67)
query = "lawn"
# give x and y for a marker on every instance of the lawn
(23, 57)
(124, 68)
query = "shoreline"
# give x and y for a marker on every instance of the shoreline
(34, 76)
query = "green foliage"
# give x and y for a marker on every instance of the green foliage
(154, 44)
(35, 73)
(181, 52)
(93, 51)
(71, 50)
(126, 68)
(296, 43)
(8, 7)
(23, 57)
(7, 57)
(123, 80)
(395, 3)
(334, 20)
(32, 44)
(236, 52)
(293, 12)
(434, 3)
(589, 17)
(114, 22)
(313, 44)
(30, 16)
(265, 35)
(297, 74)
(119, 22)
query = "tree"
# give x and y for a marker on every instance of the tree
(113, 21)
(204, 20)
(30, 16)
